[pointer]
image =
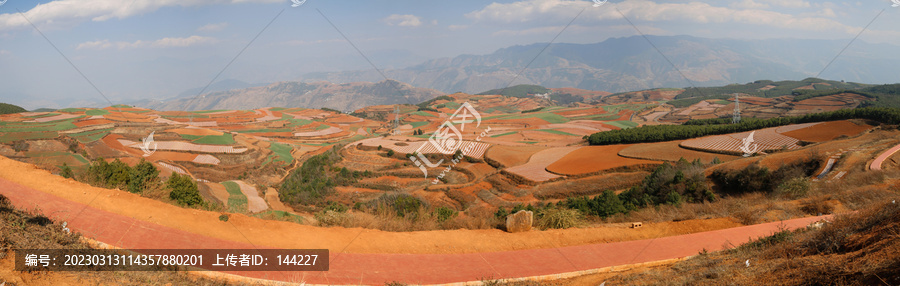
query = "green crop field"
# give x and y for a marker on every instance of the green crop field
(422, 113)
(72, 110)
(43, 115)
(504, 134)
(237, 201)
(549, 117)
(624, 124)
(90, 136)
(282, 152)
(267, 130)
(632, 107)
(557, 132)
(10, 137)
(418, 124)
(34, 127)
(95, 112)
(224, 139)
(322, 127)
(597, 117)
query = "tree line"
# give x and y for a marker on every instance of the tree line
(717, 126)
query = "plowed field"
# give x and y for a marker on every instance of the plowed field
(590, 159)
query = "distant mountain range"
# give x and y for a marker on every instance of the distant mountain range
(629, 64)
(344, 97)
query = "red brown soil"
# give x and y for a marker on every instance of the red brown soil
(527, 122)
(670, 151)
(127, 116)
(590, 159)
(216, 190)
(581, 112)
(828, 131)
(173, 156)
(90, 122)
(535, 169)
(195, 131)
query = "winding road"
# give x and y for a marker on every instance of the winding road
(127, 232)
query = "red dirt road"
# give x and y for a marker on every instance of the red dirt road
(876, 164)
(360, 268)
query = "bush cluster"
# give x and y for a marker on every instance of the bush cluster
(316, 178)
(119, 175)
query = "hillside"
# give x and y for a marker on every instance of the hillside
(343, 97)
(630, 63)
(6, 108)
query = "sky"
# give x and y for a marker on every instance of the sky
(68, 53)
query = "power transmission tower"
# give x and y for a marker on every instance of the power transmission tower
(396, 120)
(737, 110)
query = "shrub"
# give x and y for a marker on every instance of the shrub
(390, 152)
(336, 207)
(445, 213)
(501, 213)
(141, 174)
(316, 178)
(184, 190)
(20, 146)
(223, 217)
(66, 172)
(558, 218)
(793, 188)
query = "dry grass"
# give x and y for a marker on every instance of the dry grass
(855, 249)
(423, 219)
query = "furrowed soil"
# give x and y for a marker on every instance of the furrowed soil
(590, 159)
(828, 131)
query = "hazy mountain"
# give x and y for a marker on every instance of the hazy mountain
(344, 97)
(223, 85)
(627, 64)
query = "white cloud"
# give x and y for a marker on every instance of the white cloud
(749, 4)
(4, 52)
(212, 27)
(161, 43)
(403, 20)
(64, 13)
(457, 27)
(789, 3)
(559, 11)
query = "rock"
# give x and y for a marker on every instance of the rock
(520, 221)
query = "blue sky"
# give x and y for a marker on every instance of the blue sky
(134, 49)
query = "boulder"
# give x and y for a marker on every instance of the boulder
(520, 221)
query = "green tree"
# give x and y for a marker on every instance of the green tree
(184, 190)
(141, 174)
(66, 172)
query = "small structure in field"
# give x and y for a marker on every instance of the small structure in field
(636, 224)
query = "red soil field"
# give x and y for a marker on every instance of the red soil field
(127, 116)
(536, 168)
(195, 131)
(581, 112)
(828, 131)
(172, 156)
(90, 122)
(669, 151)
(533, 121)
(511, 156)
(590, 159)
